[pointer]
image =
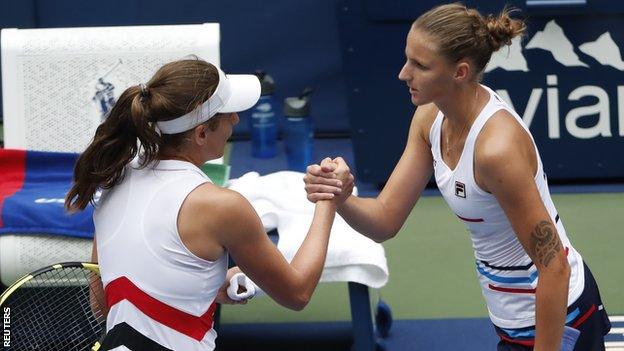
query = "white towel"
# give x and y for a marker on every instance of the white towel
(280, 201)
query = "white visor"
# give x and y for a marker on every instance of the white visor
(235, 93)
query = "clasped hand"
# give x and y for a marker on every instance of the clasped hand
(331, 180)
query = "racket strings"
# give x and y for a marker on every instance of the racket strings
(60, 309)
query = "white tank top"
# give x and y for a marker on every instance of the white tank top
(152, 281)
(506, 273)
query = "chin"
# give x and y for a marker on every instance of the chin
(418, 101)
(415, 100)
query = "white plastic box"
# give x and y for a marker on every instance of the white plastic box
(57, 83)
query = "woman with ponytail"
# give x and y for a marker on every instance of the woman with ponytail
(163, 230)
(539, 293)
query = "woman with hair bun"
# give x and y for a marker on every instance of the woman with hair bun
(539, 293)
(163, 230)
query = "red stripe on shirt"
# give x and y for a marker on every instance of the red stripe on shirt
(518, 290)
(13, 166)
(190, 325)
(512, 290)
(515, 341)
(531, 342)
(475, 220)
(586, 315)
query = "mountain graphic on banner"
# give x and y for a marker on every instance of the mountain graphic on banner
(605, 51)
(509, 58)
(553, 39)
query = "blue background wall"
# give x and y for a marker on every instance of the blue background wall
(294, 41)
(373, 40)
(350, 52)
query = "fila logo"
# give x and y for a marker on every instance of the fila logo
(460, 189)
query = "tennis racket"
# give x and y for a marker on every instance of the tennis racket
(59, 307)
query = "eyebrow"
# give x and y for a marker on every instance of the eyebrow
(412, 58)
(418, 61)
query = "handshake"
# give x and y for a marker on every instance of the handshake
(331, 180)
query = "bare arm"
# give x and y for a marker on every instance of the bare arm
(97, 300)
(382, 217)
(505, 165)
(238, 228)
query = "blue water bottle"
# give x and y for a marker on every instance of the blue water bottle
(264, 120)
(298, 132)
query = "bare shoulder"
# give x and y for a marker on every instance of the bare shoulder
(220, 202)
(425, 114)
(423, 120)
(503, 141)
(212, 218)
(225, 213)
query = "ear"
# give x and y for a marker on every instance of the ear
(201, 134)
(462, 70)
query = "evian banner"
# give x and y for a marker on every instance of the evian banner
(566, 80)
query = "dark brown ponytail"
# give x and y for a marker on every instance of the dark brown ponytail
(129, 130)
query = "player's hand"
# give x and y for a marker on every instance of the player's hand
(222, 296)
(343, 173)
(320, 181)
(331, 180)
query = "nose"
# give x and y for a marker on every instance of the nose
(404, 73)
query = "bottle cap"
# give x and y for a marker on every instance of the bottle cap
(266, 82)
(298, 106)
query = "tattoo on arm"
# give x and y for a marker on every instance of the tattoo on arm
(545, 242)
